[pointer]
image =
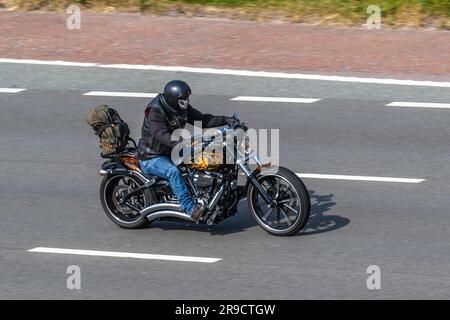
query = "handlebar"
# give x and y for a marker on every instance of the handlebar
(234, 125)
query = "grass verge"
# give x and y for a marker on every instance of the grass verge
(417, 13)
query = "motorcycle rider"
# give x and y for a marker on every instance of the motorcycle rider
(164, 114)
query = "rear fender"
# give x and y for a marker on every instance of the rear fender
(110, 167)
(114, 168)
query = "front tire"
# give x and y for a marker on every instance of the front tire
(115, 186)
(293, 203)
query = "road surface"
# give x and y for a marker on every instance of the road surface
(49, 192)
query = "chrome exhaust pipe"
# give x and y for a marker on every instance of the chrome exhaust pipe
(169, 214)
(216, 198)
(165, 210)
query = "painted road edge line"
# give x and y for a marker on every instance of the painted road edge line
(357, 178)
(50, 62)
(419, 105)
(124, 255)
(11, 90)
(232, 72)
(120, 94)
(274, 99)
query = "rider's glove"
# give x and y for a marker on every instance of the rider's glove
(229, 120)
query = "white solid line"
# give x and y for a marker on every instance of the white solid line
(50, 63)
(274, 99)
(245, 73)
(301, 76)
(357, 178)
(11, 90)
(124, 255)
(120, 94)
(419, 105)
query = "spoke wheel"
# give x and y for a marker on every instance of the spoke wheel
(292, 208)
(125, 213)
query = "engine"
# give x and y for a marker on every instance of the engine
(205, 183)
(212, 188)
(203, 180)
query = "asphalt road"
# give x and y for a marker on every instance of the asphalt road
(49, 193)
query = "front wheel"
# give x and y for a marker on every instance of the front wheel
(292, 209)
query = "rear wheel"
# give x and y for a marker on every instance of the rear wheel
(293, 203)
(125, 214)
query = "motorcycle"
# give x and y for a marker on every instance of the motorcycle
(277, 198)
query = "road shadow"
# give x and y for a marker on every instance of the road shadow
(318, 221)
(243, 220)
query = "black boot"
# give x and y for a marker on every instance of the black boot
(197, 213)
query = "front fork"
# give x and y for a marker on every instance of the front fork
(252, 179)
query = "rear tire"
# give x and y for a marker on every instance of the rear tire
(110, 191)
(300, 197)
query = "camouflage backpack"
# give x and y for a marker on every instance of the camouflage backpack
(110, 128)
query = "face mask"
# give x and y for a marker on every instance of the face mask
(183, 103)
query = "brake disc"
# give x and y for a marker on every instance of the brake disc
(119, 193)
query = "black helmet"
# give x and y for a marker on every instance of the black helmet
(175, 90)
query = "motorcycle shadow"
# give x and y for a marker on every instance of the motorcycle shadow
(318, 222)
(242, 221)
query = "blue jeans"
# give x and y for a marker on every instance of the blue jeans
(163, 167)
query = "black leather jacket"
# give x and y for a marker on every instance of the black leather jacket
(161, 120)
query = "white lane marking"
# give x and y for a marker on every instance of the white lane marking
(419, 105)
(124, 255)
(245, 73)
(357, 178)
(11, 90)
(274, 99)
(50, 63)
(120, 94)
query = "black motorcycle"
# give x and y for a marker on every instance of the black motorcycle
(277, 198)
